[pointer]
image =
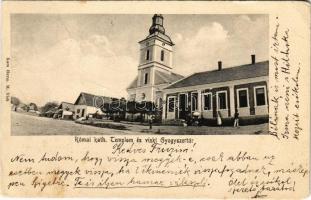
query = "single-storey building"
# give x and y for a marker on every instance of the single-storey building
(67, 110)
(220, 91)
(89, 104)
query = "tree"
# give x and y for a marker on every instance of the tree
(48, 106)
(15, 101)
(115, 108)
(33, 106)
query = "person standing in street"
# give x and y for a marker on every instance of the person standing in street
(236, 118)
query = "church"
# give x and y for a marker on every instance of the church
(223, 91)
(155, 65)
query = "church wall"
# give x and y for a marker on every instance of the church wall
(148, 91)
(167, 56)
(142, 73)
(143, 53)
(131, 94)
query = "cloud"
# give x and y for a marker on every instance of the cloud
(233, 44)
(215, 32)
(70, 67)
(177, 37)
(97, 44)
(201, 45)
(55, 59)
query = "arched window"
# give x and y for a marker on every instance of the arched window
(147, 54)
(143, 96)
(146, 78)
(162, 55)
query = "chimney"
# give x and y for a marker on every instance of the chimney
(219, 65)
(253, 59)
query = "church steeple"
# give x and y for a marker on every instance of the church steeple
(156, 50)
(157, 24)
(155, 64)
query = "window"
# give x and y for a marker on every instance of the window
(143, 96)
(147, 54)
(171, 104)
(242, 98)
(222, 100)
(260, 96)
(207, 100)
(183, 102)
(162, 55)
(146, 78)
(78, 111)
(194, 101)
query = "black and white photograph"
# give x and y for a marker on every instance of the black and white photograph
(131, 74)
(155, 99)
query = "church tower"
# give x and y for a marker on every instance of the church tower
(156, 52)
(155, 63)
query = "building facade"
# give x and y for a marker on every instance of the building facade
(155, 65)
(223, 91)
(89, 104)
(67, 110)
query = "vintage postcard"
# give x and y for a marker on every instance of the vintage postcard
(169, 99)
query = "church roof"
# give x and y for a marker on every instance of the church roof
(133, 83)
(160, 36)
(227, 74)
(159, 78)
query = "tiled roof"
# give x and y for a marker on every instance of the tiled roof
(93, 100)
(225, 74)
(159, 78)
(65, 105)
(52, 110)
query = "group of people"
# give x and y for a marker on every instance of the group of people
(235, 117)
(194, 119)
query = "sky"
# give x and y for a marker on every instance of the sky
(57, 56)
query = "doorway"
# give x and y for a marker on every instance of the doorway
(183, 102)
